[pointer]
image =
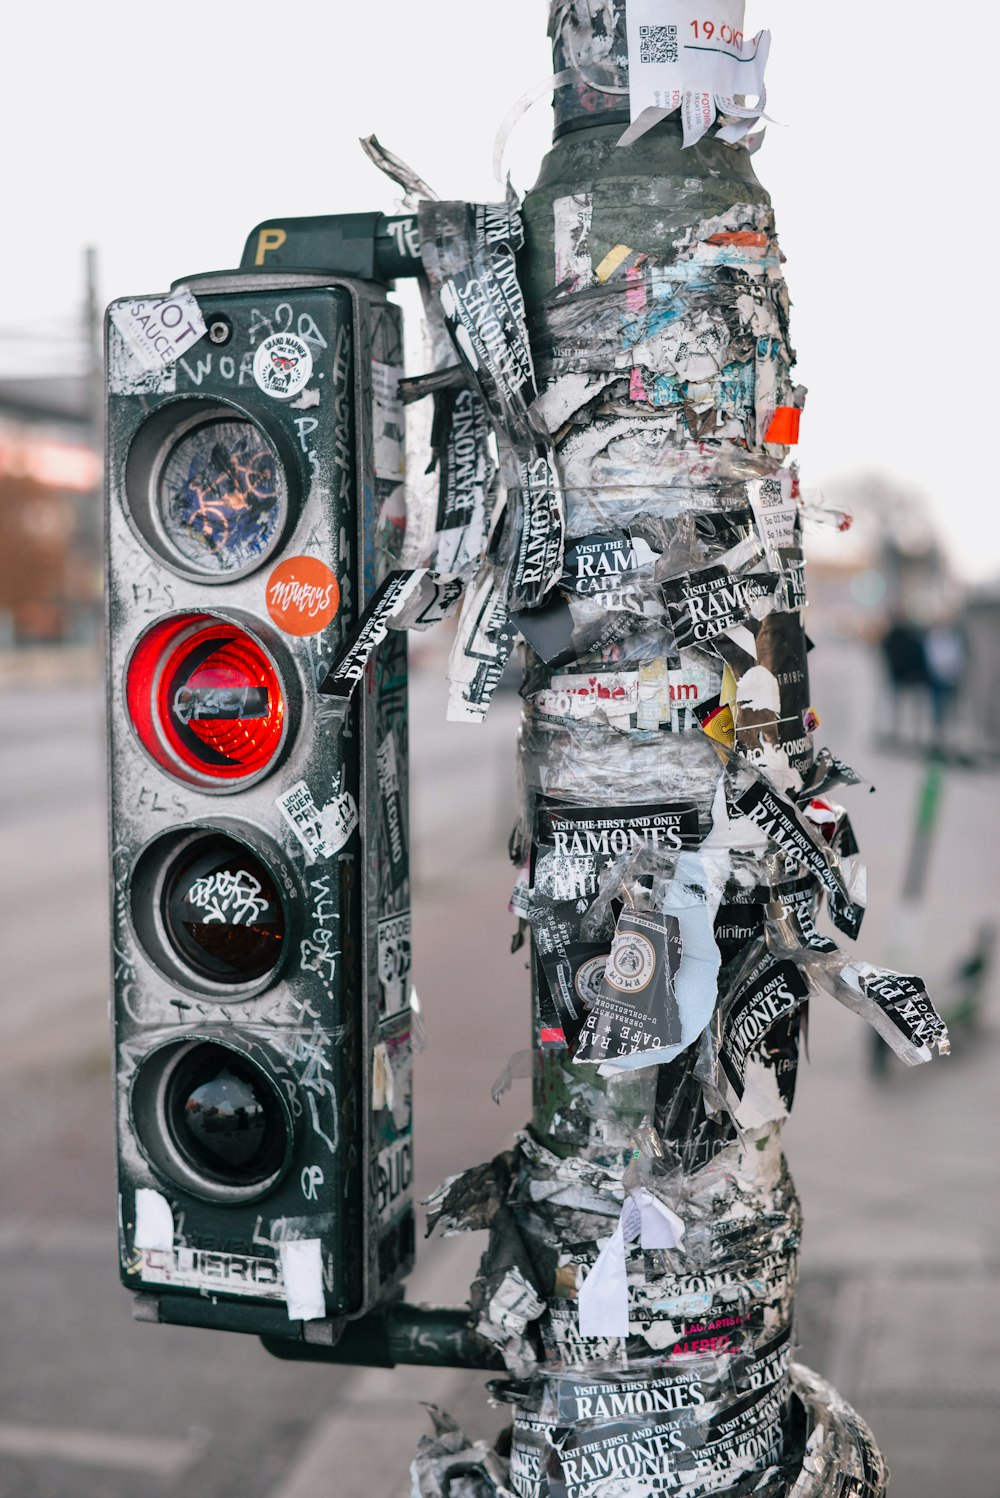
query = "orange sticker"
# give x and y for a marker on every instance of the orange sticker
(302, 595)
(784, 428)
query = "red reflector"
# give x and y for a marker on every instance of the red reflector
(203, 696)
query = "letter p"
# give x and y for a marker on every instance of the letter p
(268, 240)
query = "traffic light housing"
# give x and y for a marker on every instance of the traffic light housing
(259, 858)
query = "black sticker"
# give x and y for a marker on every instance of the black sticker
(367, 635)
(905, 1003)
(636, 1009)
(772, 992)
(780, 820)
(703, 604)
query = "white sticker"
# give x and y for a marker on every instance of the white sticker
(159, 329)
(693, 53)
(154, 1221)
(387, 420)
(338, 820)
(282, 365)
(383, 1082)
(774, 511)
(302, 1271)
(321, 833)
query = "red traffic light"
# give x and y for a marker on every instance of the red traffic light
(205, 699)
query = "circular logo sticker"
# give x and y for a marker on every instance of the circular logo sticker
(282, 365)
(588, 979)
(302, 595)
(631, 963)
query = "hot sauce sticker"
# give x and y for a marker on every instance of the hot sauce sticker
(302, 595)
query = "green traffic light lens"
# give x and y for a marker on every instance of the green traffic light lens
(224, 1118)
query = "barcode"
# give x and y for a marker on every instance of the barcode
(657, 43)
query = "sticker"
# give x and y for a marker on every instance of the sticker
(387, 604)
(321, 833)
(695, 55)
(159, 329)
(127, 375)
(199, 1269)
(394, 960)
(302, 1269)
(775, 513)
(388, 422)
(636, 1009)
(393, 814)
(154, 1220)
(466, 475)
(705, 603)
(303, 595)
(395, 1176)
(772, 991)
(338, 820)
(282, 365)
(572, 221)
(782, 823)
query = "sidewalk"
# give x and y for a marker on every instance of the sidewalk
(900, 1292)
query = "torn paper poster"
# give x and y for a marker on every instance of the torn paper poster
(572, 218)
(128, 375)
(603, 1296)
(469, 253)
(387, 604)
(388, 421)
(483, 643)
(159, 329)
(899, 1008)
(694, 57)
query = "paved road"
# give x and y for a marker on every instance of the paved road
(900, 1292)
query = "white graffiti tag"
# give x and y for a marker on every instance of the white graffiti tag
(230, 898)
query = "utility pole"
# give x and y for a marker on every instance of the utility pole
(676, 833)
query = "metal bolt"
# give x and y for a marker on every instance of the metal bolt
(219, 331)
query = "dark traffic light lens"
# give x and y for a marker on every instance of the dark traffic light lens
(205, 697)
(221, 911)
(224, 1117)
(219, 496)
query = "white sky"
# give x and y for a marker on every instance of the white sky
(161, 133)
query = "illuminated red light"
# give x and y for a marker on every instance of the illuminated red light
(204, 698)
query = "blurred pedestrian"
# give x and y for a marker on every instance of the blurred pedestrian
(946, 654)
(906, 665)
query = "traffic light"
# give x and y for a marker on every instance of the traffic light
(258, 848)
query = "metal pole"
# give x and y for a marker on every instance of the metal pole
(652, 1234)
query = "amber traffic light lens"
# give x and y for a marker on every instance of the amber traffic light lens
(221, 911)
(205, 697)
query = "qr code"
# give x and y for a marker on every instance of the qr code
(658, 43)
